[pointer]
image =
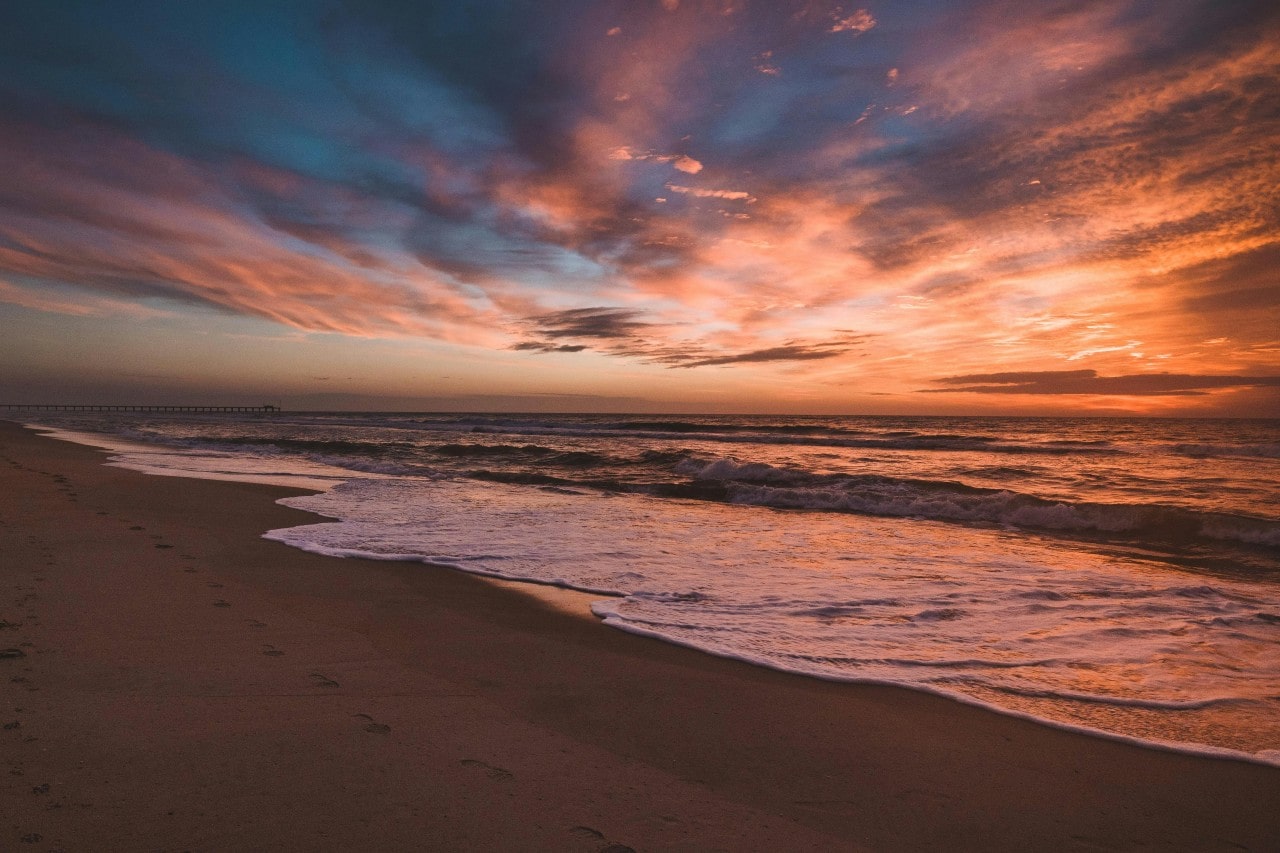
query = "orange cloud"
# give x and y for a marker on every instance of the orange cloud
(859, 22)
(700, 192)
(687, 164)
(683, 162)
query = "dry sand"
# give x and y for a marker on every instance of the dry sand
(177, 683)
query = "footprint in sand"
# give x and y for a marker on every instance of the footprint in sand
(495, 773)
(593, 835)
(376, 728)
(590, 834)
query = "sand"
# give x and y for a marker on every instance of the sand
(171, 681)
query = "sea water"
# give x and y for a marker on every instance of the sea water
(1121, 576)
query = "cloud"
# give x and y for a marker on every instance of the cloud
(764, 65)
(859, 22)
(619, 332)
(698, 192)
(535, 346)
(683, 162)
(37, 300)
(1089, 382)
(94, 211)
(596, 323)
(687, 164)
(544, 402)
(784, 353)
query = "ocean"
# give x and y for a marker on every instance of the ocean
(1120, 576)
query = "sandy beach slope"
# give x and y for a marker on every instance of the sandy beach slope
(171, 681)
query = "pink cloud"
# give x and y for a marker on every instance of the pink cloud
(698, 192)
(683, 162)
(859, 22)
(124, 222)
(687, 164)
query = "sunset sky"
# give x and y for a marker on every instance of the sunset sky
(643, 205)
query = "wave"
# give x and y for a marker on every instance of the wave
(689, 458)
(523, 478)
(781, 435)
(758, 484)
(526, 452)
(311, 445)
(1207, 450)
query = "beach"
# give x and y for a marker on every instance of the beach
(175, 682)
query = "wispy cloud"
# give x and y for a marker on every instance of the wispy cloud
(784, 353)
(703, 192)
(536, 346)
(1089, 382)
(589, 323)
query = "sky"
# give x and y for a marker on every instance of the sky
(906, 207)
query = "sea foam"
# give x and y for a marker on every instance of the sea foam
(995, 618)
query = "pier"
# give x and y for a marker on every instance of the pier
(54, 407)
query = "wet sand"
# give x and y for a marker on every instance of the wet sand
(171, 681)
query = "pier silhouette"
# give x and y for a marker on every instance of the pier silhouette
(66, 407)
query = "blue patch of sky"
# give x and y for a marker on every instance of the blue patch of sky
(480, 244)
(421, 106)
(753, 116)
(245, 79)
(811, 98)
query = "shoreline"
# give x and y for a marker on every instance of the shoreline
(464, 714)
